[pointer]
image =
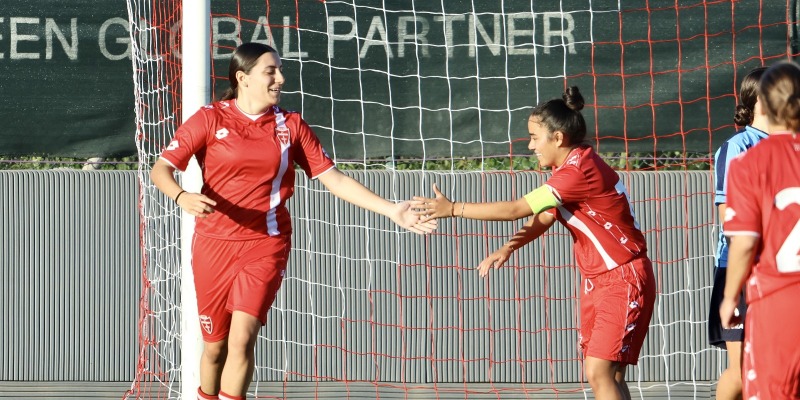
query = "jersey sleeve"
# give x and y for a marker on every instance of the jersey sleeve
(722, 159)
(188, 140)
(743, 212)
(569, 185)
(312, 157)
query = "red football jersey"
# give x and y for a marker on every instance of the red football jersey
(593, 204)
(247, 166)
(764, 201)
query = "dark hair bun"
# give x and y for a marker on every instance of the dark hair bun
(573, 98)
(744, 115)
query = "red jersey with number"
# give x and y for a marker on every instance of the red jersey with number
(247, 166)
(593, 204)
(764, 201)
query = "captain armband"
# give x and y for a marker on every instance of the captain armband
(541, 199)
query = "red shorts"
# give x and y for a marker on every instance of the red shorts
(616, 307)
(771, 354)
(236, 275)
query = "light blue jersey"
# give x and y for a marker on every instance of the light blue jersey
(737, 144)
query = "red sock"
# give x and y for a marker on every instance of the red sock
(223, 396)
(201, 395)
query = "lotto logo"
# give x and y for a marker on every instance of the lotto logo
(172, 145)
(221, 134)
(207, 324)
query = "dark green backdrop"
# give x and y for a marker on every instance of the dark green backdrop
(655, 79)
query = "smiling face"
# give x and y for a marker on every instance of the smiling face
(262, 86)
(544, 144)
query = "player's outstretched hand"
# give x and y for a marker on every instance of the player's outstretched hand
(404, 215)
(494, 260)
(431, 208)
(729, 314)
(196, 204)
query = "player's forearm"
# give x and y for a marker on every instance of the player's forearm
(163, 177)
(741, 254)
(352, 191)
(533, 228)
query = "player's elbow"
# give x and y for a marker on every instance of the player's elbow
(519, 209)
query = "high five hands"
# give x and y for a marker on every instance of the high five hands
(404, 215)
(431, 208)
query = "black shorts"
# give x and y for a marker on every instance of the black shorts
(717, 336)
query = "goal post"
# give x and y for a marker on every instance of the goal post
(195, 93)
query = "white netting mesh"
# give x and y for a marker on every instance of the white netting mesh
(402, 90)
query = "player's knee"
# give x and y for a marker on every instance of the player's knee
(599, 375)
(241, 342)
(215, 352)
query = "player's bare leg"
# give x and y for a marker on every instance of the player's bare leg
(621, 384)
(729, 386)
(602, 378)
(238, 371)
(211, 363)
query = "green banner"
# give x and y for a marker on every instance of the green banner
(66, 86)
(410, 78)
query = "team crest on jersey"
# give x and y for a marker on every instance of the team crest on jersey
(206, 323)
(173, 145)
(282, 132)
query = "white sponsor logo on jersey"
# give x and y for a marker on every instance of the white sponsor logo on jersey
(206, 323)
(173, 145)
(573, 160)
(222, 134)
(729, 214)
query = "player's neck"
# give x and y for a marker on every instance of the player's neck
(779, 129)
(761, 123)
(250, 107)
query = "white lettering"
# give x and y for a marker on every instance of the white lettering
(16, 37)
(50, 28)
(263, 26)
(513, 32)
(334, 36)
(218, 36)
(448, 31)
(101, 38)
(2, 55)
(287, 35)
(376, 27)
(416, 36)
(567, 39)
(493, 43)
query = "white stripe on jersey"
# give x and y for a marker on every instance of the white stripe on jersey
(620, 188)
(275, 196)
(577, 223)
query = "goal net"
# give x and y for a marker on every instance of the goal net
(406, 94)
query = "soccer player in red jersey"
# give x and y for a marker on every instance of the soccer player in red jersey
(247, 147)
(587, 196)
(763, 220)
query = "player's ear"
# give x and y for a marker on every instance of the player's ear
(558, 137)
(240, 77)
(758, 108)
